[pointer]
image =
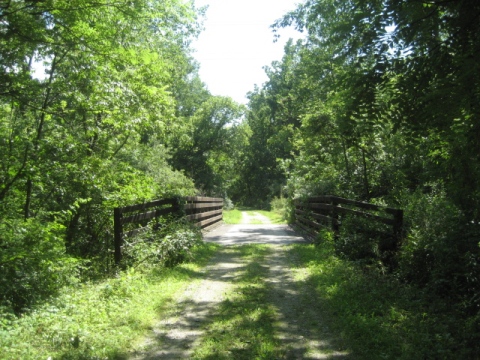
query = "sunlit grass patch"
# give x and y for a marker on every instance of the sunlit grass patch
(243, 327)
(275, 217)
(232, 216)
(235, 216)
(99, 320)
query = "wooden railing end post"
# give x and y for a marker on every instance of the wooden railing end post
(118, 232)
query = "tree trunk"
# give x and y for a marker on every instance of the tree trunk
(365, 176)
(36, 142)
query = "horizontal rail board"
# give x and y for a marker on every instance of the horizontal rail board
(361, 204)
(139, 217)
(147, 215)
(320, 206)
(365, 205)
(306, 229)
(202, 205)
(209, 221)
(311, 223)
(148, 205)
(317, 216)
(324, 199)
(342, 210)
(203, 199)
(203, 215)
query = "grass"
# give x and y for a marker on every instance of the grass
(243, 327)
(98, 320)
(274, 217)
(378, 317)
(235, 216)
(232, 216)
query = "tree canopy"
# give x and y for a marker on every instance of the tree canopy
(101, 105)
(98, 102)
(380, 103)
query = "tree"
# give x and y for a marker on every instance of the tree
(69, 136)
(204, 148)
(408, 64)
(272, 118)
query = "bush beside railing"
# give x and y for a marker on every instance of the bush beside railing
(332, 212)
(202, 211)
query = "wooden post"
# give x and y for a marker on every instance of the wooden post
(398, 227)
(176, 209)
(221, 208)
(117, 231)
(335, 226)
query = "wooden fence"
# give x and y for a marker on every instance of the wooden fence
(202, 211)
(313, 213)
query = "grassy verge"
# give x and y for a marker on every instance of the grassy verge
(274, 217)
(98, 321)
(235, 216)
(232, 216)
(243, 328)
(378, 317)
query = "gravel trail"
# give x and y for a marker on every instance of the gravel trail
(255, 218)
(298, 324)
(180, 328)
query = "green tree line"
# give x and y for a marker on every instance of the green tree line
(380, 103)
(101, 106)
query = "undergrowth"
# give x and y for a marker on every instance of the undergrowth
(167, 244)
(98, 320)
(378, 316)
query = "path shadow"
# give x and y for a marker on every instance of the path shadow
(254, 234)
(302, 325)
(182, 324)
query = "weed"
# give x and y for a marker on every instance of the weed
(243, 328)
(99, 320)
(378, 316)
(232, 216)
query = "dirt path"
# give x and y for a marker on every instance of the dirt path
(255, 218)
(180, 328)
(298, 323)
(299, 319)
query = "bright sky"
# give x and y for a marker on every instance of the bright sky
(237, 42)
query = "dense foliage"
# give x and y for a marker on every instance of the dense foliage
(380, 102)
(100, 106)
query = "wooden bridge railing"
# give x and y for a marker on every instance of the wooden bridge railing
(202, 211)
(313, 213)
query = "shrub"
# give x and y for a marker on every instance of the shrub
(284, 207)
(278, 204)
(228, 204)
(33, 263)
(441, 249)
(166, 245)
(363, 239)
